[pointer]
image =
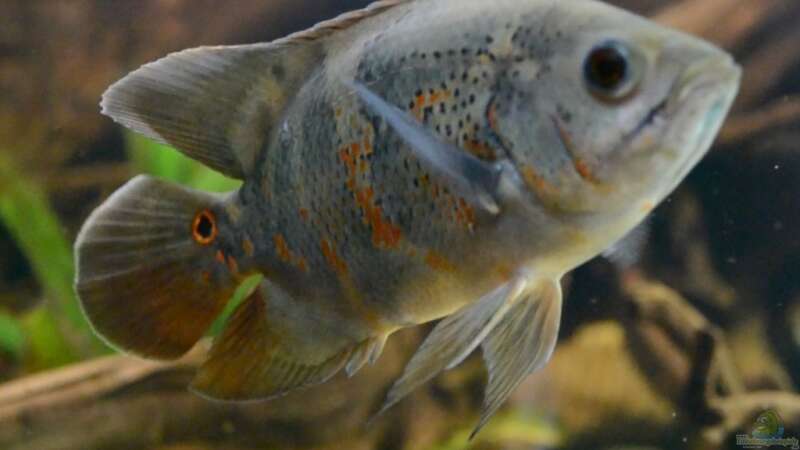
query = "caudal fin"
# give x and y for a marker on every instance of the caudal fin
(149, 275)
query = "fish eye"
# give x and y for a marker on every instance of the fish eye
(609, 72)
(204, 227)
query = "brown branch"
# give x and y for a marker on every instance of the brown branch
(122, 402)
(706, 364)
(769, 65)
(703, 18)
(747, 125)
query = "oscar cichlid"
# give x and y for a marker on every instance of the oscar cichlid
(412, 161)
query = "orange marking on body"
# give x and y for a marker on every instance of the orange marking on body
(282, 248)
(438, 262)
(648, 206)
(466, 213)
(384, 233)
(351, 157)
(350, 163)
(247, 246)
(583, 169)
(350, 291)
(287, 255)
(480, 150)
(304, 214)
(423, 101)
(332, 258)
(368, 149)
(220, 257)
(506, 272)
(537, 182)
(491, 116)
(233, 266)
(302, 264)
(425, 180)
(581, 166)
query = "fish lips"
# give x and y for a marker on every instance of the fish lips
(702, 104)
(679, 129)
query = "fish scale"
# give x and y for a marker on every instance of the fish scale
(412, 161)
(379, 231)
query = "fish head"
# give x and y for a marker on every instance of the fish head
(606, 112)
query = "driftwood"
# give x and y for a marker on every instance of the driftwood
(647, 362)
(122, 402)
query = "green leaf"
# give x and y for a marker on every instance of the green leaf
(165, 162)
(238, 297)
(12, 336)
(26, 213)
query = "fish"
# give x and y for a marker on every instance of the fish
(413, 161)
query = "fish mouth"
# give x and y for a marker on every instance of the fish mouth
(710, 84)
(677, 131)
(684, 123)
(697, 109)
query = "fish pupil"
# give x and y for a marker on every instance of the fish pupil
(204, 228)
(607, 69)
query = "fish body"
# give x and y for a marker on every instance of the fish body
(412, 161)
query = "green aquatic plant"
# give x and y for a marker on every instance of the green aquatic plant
(12, 337)
(57, 333)
(156, 159)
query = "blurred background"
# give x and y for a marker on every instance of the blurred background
(684, 349)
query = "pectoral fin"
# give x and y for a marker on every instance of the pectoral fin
(517, 326)
(471, 178)
(520, 344)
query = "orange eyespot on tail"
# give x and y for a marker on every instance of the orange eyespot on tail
(204, 227)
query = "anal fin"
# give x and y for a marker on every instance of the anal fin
(273, 344)
(255, 359)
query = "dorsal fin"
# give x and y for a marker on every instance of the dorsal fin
(219, 105)
(342, 22)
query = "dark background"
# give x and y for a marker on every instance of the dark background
(683, 350)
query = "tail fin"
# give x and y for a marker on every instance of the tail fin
(148, 277)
